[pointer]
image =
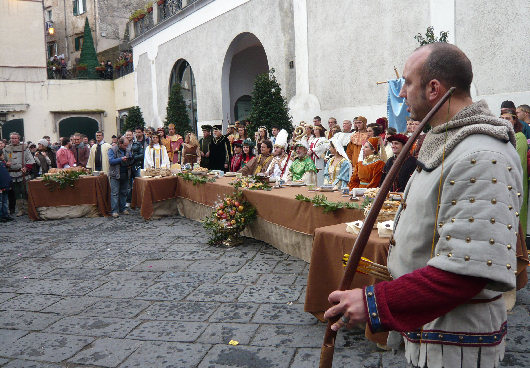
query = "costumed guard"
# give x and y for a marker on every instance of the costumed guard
(303, 168)
(20, 162)
(219, 150)
(281, 162)
(398, 141)
(237, 158)
(173, 143)
(367, 173)
(260, 163)
(204, 145)
(445, 300)
(338, 168)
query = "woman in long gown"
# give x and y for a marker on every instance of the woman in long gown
(318, 146)
(338, 168)
(191, 153)
(367, 173)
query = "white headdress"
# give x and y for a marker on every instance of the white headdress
(336, 140)
(281, 139)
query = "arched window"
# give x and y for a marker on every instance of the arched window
(183, 74)
(242, 107)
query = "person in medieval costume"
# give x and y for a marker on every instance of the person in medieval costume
(173, 143)
(190, 150)
(248, 152)
(19, 162)
(260, 163)
(204, 145)
(219, 150)
(318, 146)
(237, 157)
(357, 139)
(397, 141)
(156, 156)
(338, 168)
(367, 173)
(281, 162)
(303, 168)
(445, 300)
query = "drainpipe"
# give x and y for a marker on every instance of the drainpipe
(96, 25)
(66, 53)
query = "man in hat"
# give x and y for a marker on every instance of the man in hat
(204, 145)
(44, 157)
(19, 162)
(237, 157)
(173, 143)
(99, 155)
(357, 139)
(445, 298)
(281, 162)
(400, 182)
(260, 163)
(303, 168)
(219, 150)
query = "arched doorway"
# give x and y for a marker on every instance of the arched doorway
(244, 60)
(78, 124)
(10, 126)
(183, 74)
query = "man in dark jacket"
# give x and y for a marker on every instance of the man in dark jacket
(219, 150)
(120, 159)
(80, 150)
(399, 184)
(137, 152)
(5, 186)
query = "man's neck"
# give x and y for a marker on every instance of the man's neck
(449, 109)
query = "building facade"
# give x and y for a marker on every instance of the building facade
(328, 55)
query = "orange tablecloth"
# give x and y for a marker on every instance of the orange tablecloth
(93, 190)
(326, 268)
(146, 191)
(277, 206)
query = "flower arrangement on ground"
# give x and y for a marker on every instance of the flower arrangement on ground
(229, 218)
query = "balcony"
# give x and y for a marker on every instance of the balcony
(164, 11)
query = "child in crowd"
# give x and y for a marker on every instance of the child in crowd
(5, 185)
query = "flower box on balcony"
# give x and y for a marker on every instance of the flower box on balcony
(81, 67)
(160, 2)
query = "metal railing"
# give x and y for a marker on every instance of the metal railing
(144, 24)
(75, 73)
(169, 8)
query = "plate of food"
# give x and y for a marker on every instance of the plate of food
(230, 174)
(296, 183)
(326, 188)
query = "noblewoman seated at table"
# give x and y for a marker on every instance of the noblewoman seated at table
(302, 168)
(337, 170)
(261, 162)
(367, 173)
(156, 155)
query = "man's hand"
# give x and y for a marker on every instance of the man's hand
(8, 164)
(226, 166)
(202, 154)
(350, 305)
(208, 154)
(23, 169)
(124, 158)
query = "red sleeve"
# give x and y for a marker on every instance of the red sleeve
(407, 303)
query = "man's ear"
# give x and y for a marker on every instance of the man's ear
(434, 91)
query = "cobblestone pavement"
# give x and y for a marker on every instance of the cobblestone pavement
(129, 293)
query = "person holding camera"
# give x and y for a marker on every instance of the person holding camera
(120, 161)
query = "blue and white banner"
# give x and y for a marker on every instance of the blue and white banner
(396, 108)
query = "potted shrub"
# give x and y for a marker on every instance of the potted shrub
(160, 2)
(149, 7)
(141, 13)
(81, 67)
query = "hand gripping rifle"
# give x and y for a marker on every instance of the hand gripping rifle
(328, 346)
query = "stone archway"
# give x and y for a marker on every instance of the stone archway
(244, 60)
(182, 73)
(78, 124)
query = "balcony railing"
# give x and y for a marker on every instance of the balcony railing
(76, 73)
(144, 24)
(169, 8)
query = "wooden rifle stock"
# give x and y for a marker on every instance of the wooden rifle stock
(328, 346)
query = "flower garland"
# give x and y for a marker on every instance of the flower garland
(196, 179)
(251, 183)
(62, 179)
(229, 218)
(321, 200)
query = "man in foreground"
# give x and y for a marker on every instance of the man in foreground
(446, 296)
(19, 162)
(120, 159)
(98, 160)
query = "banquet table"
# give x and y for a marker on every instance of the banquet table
(89, 197)
(326, 268)
(154, 196)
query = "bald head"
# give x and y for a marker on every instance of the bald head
(447, 64)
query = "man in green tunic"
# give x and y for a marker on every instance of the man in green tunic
(303, 168)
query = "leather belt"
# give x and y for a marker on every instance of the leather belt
(481, 301)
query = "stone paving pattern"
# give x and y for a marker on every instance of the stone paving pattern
(132, 293)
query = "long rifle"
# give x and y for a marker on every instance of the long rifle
(328, 346)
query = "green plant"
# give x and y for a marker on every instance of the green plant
(61, 180)
(196, 179)
(88, 53)
(321, 200)
(134, 119)
(269, 107)
(430, 37)
(229, 218)
(176, 112)
(149, 7)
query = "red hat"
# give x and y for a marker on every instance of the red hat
(398, 138)
(374, 142)
(383, 122)
(238, 143)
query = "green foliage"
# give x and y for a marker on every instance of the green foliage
(196, 179)
(88, 54)
(176, 112)
(62, 180)
(321, 200)
(229, 218)
(430, 37)
(269, 107)
(134, 119)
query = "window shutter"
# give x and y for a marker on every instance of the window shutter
(74, 5)
(84, 6)
(76, 44)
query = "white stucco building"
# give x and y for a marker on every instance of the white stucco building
(328, 54)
